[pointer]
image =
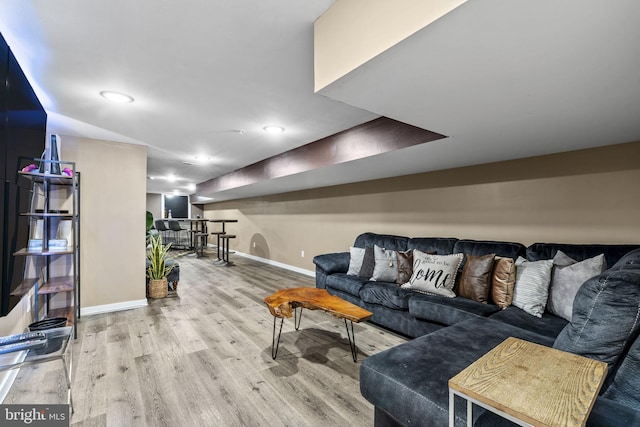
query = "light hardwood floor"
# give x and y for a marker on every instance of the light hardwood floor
(203, 358)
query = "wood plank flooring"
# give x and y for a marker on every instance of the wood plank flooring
(202, 357)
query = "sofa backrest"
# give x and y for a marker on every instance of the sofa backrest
(432, 245)
(579, 252)
(386, 241)
(485, 247)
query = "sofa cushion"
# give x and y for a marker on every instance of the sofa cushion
(475, 279)
(432, 245)
(548, 325)
(409, 381)
(532, 285)
(345, 283)
(566, 278)
(386, 265)
(447, 311)
(434, 274)
(387, 241)
(387, 294)
(503, 280)
(606, 313)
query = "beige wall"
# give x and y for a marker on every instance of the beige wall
(154, 205)
(351, 32)
(113, 183)
(587, 196)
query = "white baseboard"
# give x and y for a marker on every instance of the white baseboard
(278, 264)
(128, 305)
(108, 308)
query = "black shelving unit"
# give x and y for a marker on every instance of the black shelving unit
(54, 198)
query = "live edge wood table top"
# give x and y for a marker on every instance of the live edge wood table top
(537, 385)
(283, 303)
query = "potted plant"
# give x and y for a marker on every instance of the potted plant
(157, 268)
(150, 230)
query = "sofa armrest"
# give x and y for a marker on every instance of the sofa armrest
(328, 264)
(333, 263)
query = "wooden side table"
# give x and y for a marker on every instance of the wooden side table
(530, 385)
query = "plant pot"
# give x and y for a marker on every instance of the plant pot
(158, 288)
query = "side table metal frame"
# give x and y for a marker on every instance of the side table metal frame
(470, 402)
(48, 358)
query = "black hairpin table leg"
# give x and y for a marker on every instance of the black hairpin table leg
(296, 318)
(352, 340)
(275, 344)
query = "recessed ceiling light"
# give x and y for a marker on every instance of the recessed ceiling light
(273, 129)
(121, 98)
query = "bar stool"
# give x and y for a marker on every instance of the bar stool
(199, 241)
(225, 248)
(218, 234)
(177, 229)
(162, 228)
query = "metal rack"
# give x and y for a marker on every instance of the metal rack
(50, 193)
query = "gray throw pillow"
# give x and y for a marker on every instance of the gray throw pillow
(532, 285)
(566, 278)
(606, 313)
(368, 263)
(355, 260)
(386, 265)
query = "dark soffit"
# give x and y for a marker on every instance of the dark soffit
(377, 136)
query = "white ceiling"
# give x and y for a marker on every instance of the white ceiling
(503, 79)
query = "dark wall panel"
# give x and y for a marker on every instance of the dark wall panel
(22, 136)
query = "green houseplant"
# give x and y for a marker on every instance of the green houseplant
(150, 230)
(157, 269)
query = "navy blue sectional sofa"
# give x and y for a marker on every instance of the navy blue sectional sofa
(407, 384)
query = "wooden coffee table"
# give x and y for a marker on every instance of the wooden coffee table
(285, 303)
(530, 384)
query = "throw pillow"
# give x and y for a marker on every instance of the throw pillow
(405, 266)
(474, 281)
(532, 285)
(566, 278)
(434, 274)
(385, 266)
(355, 260)
(368, 263)
(605, 313)
(503, 281)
